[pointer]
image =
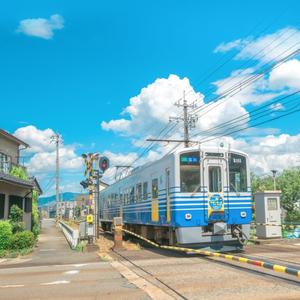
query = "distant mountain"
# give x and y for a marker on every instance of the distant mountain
(67, 196)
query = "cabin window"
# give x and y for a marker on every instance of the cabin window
(215, 179)
(138, 192)
(154, 188)
(237, 173)
(145, 191)
(190, 172)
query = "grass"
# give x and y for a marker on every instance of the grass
(14, 253)
(80, 247)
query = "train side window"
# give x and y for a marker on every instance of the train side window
(237, 173)
(138, 192)
(145, 191)
(154, 188)
(215, 179)
(131, 196)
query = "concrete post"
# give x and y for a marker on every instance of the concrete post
(118, 233)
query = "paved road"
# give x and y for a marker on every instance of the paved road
(54, 271)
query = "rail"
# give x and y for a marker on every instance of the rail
(258, 263)
(72, 235)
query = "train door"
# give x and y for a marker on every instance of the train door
(154, 199)
(168, 200)
(215, 179)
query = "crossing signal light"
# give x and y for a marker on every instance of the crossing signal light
(104, 163)
(85, 183)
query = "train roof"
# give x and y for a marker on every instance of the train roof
(191, 149)
(208, 149)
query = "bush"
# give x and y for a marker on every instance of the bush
(3, 253)
(17, 227)
(15, 214)
(36, 230)
(21, 240)
(19, 172)
(5, 234)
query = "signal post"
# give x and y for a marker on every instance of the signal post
(95, 167)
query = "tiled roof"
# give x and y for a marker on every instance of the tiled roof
(16, 181)
(13, 138)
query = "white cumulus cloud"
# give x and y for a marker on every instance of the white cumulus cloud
(45, 161)
(286, 75)
(265, 48)
(42, 155)
(38, 140)
(40, 27)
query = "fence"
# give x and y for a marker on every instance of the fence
(72, 235)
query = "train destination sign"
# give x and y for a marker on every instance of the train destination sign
(190, 159)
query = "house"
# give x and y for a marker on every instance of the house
(14, 190)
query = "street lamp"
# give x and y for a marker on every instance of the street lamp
(274, 179)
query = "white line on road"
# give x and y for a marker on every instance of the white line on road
(71, 272)
(55, 282)
(79, 265)
(11, 286)
(46, 250)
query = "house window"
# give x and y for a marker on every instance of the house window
(2, 205)
(5, 163)
(28, 205)
(17, 200)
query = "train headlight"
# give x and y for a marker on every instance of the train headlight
(188, 216)
(243, 214)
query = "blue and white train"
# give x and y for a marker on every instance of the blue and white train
(194, 196)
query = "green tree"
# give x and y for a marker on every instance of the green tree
(289, 183)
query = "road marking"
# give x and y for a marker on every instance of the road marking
(79, 265)
(11, 286)
(55, 282)
(72, 272)
(153, 291)
(46, 250)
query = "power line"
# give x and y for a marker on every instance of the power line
(245, 83)
(289, 112)
(247, 115)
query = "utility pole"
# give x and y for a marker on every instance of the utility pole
(189, 121)
(274, 179)
(56, 138)
(185, 122)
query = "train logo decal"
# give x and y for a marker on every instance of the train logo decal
(216, 202)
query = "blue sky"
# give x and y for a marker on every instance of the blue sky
(102, 53)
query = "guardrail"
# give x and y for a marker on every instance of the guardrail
(72, 235)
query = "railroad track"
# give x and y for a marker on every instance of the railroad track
(149, 277)
(269, 264)
(251, 269)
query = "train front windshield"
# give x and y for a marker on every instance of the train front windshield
(190, 172)
(237, 173)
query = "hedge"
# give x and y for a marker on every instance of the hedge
(5, 234)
